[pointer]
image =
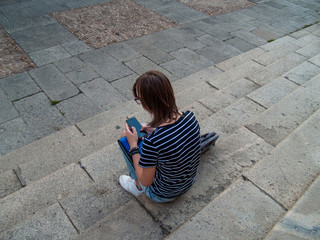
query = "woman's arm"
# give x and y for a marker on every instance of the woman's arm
(145, 175)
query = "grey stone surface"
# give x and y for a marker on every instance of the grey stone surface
(52, 223)
(232, 117)
(219, 167)
(14, 134)
(146, 48)
(200, 111)
(250, 37)
(42, 118)
(20, 205)
(302, 73)
(18, 86)
(9, 183)
(262, 33)
(273, 92)
(282, 118)
(164, 41)
(276, 69)
(37, 150)
(7, 109)
(96, 202)
(126, 224)
(122, 51)
(212, 29)
(124, 85)
(310, 50)
(75, 47)
(143, 64)
(240, 44)
(236, 213)
(193, 94)
(69, 64)
(316, 60)
(53, 82)
(295, 164)
(102, 94)
(48, 55)
(82, 75)
(105, 65)
(302, 221)
(77, 108)
(178, 68)
(192, 59)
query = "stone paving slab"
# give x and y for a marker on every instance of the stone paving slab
(53, 83)
(52, 223)
(295, 164)
(102, 94)
(7, 110)
(302, 73)
(302, 221)
(239, 213)
(105, 65)
(19, 86)
(13, 135)
(126, 224)
(22, 204)
(41, 117)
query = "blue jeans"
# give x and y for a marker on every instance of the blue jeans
(146, 190)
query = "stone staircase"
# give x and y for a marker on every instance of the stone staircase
(265, 106)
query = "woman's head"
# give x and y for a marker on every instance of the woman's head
(157, 97)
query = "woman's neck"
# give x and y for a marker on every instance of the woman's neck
(170, 121)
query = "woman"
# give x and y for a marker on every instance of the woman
(168, 163)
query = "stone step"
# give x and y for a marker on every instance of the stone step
(302, 221)
(240, 211)
(284, 116)
(24, 203)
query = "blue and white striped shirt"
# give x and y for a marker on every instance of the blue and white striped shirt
(175, 151)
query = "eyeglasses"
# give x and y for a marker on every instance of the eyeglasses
(138, 100)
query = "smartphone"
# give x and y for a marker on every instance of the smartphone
(133, 122)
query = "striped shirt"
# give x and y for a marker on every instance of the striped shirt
(175, 151)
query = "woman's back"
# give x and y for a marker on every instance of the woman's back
(175, 151)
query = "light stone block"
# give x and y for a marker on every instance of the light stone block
(7, 109)
(232, 117)
(125, 223)
(200, 111)
(51, 223)
(239, 213)
(310, 50)
(49, 55)
(316, 60)
(20, 205)
(273, 92)
(302, 221)
(295, 164)
(281, 119)
(302, 73)
(9, 183)
(124, 85)
(194, 93)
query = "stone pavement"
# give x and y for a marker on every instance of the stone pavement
(73, 82)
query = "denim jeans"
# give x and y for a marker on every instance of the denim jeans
(146, 190)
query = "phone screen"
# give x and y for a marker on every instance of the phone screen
(133, 122)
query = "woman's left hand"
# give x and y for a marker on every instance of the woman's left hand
(132, 136)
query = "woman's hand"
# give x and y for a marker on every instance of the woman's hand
(132, 136)
(147, 128)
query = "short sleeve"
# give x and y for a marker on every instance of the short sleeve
(149, 154)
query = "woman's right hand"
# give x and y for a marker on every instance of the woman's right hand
(147, 128)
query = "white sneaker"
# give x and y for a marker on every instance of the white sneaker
(129, 185)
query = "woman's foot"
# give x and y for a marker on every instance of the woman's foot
(129, 184)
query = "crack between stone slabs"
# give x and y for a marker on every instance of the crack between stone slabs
(165, 231)
(86, 171)
(211, 111)
(17, 171)
(210, 85)
(264, 192)
(250, 99)
(65, 212)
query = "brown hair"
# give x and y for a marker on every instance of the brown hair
(157, 96)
